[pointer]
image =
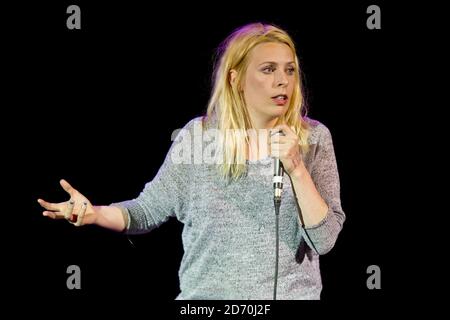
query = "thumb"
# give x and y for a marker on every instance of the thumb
(67, 187)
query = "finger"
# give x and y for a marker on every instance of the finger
(285, 129)
(278, 139)
(81, 214)
(53, 215)
(50, 206)
(277, 131)
(278, 135)
(67, 187)
(275, 151)
(279, 151)
(68, 210)
(277, 146)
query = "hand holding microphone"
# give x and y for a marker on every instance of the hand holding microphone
(284, 146)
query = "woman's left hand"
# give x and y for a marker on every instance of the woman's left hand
(285, 145)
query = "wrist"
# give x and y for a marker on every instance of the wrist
(97, 217)
(299, 172)
(111, 217)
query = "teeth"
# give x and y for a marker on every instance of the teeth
(280, 97)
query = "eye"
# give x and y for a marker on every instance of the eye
(290, 70)
(268, 69)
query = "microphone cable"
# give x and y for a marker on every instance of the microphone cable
(277, 203)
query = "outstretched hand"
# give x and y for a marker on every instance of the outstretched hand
(78, 210)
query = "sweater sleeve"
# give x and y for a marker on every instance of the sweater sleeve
(165, 195)
(324, 172)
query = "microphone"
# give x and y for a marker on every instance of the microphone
(278, 173)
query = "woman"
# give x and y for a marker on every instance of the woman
(217, 180)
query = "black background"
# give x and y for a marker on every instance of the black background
(106, 98)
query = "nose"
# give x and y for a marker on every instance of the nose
(281, 79)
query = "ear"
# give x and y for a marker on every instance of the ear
(233, 79)
(233, 76)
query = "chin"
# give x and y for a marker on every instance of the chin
(279, 111)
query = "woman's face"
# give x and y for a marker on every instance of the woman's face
(269, 81)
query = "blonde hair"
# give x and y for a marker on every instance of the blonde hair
(227, 102)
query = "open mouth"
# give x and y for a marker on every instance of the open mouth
(280, 99)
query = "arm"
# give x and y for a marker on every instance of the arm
(313, 208)
(317, 192)
(111, 217)
(318, 195)
(161, 198)
(166, 194)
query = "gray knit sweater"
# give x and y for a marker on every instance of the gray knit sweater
(229, 228)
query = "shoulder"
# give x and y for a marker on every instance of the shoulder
(192, 127)
(318, 132)
(201, 122)
(198, 126)
(193, 122)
